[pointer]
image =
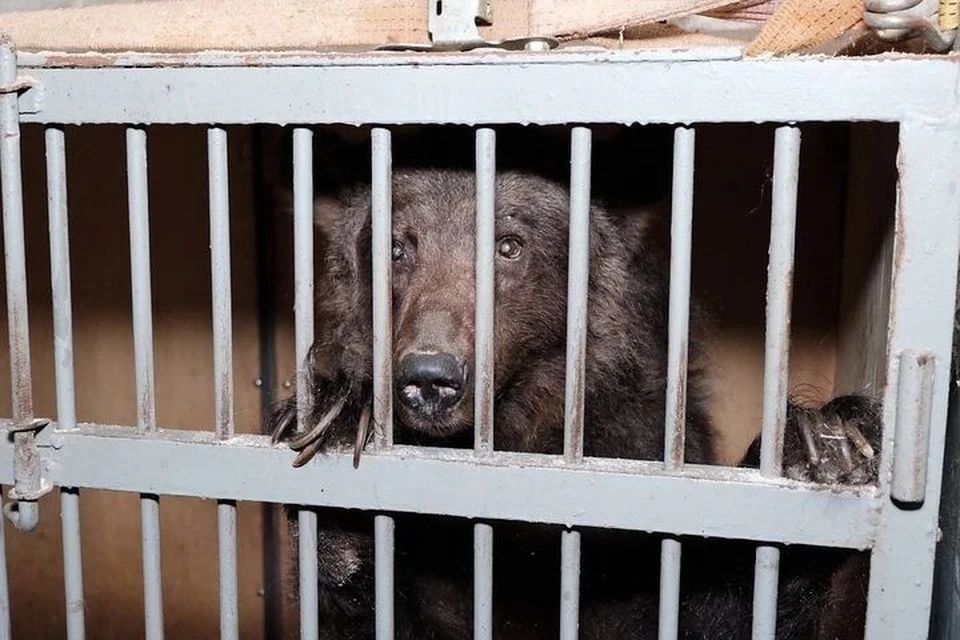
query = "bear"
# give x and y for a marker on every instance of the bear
(624, 407)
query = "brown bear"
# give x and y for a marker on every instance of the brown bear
(625, 395)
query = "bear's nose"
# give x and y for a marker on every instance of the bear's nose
(431, 383)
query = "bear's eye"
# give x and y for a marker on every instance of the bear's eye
(398, 251)
(510, 247)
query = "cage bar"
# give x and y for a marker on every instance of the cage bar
(304, 316)
(482, 581)
(681, 239)
(486, 240)
(223, 368)
(143, 364)
(483, 359)
(577, 285)
(783, 222)
(569, 584)
(381, 248)
(24, 513)
(383, 576)
(669, 612)
(63, 358)
(4, 589)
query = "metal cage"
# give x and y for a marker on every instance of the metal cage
(485, 89)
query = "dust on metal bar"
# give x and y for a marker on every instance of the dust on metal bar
(140, 276)
(63, 357)
(381, 247)
(219, 193)
(28, 484)
(304, 331)
(681, 236)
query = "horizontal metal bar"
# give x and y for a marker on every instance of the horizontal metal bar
(458, 483)
(326, 59)
(513, 90)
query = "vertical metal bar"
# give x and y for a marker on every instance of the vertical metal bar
(577, 281)
(681, 235)
(569, 585)
(581, 142)
(381, 245)
(669, 619)
(223, 368)
(482, 581)
(783, 222)
(304, 312)
(152, 587)
(383, 561)
(922, 305)
(140, 276)
(484, 320)
(143, 363)
(24, 513)
(786, 176)
(4, 589)
(63, 356)
(765, 586)
(681, 238)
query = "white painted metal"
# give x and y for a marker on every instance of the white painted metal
(63, 356)
(528, 88)
(542, 88)
(223, 368)
(921, 318)
(304, 316)
(483, 363)
(455, 482)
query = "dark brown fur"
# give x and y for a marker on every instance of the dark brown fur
(433, 305)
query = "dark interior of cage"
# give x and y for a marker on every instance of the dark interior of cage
(838, 321)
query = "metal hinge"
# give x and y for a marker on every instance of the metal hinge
(934, 20)
(29, 485)
(453, 26)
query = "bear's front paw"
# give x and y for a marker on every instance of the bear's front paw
(839, 443)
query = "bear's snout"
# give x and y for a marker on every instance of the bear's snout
(431, 384)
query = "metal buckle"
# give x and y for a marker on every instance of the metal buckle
(895, 20)
(452, 26)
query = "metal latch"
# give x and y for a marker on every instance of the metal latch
(453, 26)
(28, 482)
(935, 20)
